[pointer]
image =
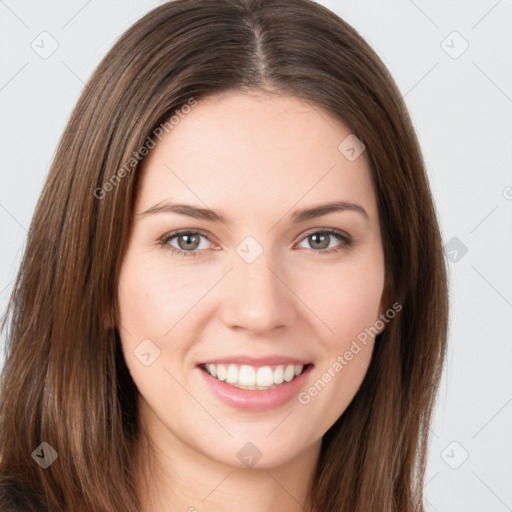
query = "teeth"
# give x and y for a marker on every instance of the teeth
(250, 377)
(265, 376)
(232, 376)
(212, 369)
(220, 371)
(289, 373)
(279, 375)
(246, 376)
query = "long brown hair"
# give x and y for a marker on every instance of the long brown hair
(65, 382)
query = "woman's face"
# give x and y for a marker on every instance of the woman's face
(243, 283)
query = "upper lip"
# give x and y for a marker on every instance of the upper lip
(256, 361)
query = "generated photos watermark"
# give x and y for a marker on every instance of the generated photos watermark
(137, 156)
(342, 360)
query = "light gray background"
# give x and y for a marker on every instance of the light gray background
(461, 106)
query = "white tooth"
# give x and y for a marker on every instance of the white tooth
(232, 375)
(265, 376)
(247, 376)
(279, 374)
(289, 373)
(221, 372)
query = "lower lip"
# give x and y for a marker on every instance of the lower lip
(254, 400)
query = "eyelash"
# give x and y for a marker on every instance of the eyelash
(345, 240)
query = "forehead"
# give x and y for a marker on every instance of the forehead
(257, 149)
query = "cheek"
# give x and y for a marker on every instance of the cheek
(345, 298)
(152, 296)
(349, 309)
(152, 299)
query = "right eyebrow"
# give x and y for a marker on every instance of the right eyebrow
(184, 209)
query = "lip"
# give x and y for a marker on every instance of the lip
(254, 400)
(257, 361)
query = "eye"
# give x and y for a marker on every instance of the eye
(188, 242)
(320, 241)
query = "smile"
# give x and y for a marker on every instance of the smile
(256, 385)
(252, 377)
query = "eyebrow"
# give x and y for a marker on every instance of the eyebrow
(210, 215)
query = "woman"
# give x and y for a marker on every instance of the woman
(293, 361)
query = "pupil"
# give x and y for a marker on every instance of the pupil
(325, 238)
(189, 240)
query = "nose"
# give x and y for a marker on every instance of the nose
(258, 296)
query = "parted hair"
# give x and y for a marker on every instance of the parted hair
(65, 381)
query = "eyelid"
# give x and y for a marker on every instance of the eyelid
(344, 238)
(173, 234)
(332, 231)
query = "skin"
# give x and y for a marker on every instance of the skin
(255, 159)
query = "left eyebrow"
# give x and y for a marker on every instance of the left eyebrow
(298, 216)
(324, 209)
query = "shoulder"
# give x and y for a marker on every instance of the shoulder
(14, 498)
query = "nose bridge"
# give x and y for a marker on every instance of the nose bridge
(257, 299)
